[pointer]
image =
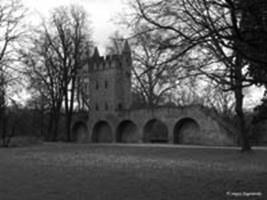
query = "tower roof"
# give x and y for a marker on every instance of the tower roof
(126, 47)
(96, 53)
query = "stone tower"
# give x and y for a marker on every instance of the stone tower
(110, 81)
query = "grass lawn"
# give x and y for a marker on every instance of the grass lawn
(88, 172)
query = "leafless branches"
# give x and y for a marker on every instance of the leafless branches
(209, 33)
(60, 50)
(11, 30)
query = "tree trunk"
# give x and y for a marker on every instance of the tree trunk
(245, 146)
(42, 121)
(50, 127)
(68, 125)
(3, 120)
(55, 127)
(70, 110)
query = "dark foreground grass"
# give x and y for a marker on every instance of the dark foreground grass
(88, 172)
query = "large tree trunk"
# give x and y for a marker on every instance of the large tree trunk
(245, 146)
(238, 88)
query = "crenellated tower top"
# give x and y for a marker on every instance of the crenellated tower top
(110, 80)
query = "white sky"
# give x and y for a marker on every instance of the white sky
(101, 13)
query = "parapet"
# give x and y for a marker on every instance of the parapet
(98, 63)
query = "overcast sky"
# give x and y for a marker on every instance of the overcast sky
(101, 13)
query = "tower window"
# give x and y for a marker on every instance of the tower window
(106, 84)
(120, 106)
(96, 107)
(96, 85)
(106, 106)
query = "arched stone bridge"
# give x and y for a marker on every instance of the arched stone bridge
(185, 125)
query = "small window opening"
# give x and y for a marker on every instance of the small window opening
(120, 106)
(106, 106)
(106, 84)
(96, 85)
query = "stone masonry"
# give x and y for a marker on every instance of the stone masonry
(111, 118)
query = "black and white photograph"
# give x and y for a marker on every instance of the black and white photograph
(133, 100)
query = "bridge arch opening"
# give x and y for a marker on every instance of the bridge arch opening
(102, 132)
(79, 131)
(127, 132)
(155, 131)
(187, 131)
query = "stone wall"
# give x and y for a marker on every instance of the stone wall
(188, 125)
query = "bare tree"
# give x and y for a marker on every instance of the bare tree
(218, 99)
(59, 52)
(210, 32)
(11, 31)
(45, 77)
(73, 33)
(155, 71)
